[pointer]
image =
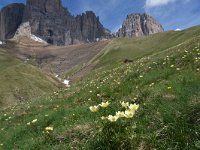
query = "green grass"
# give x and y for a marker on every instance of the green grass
(126, 48)
(168, 118)
(20, 81)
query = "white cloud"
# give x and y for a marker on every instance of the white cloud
(155, 3)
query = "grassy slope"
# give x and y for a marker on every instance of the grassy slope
(168, 118)
(20, 81)
(120, 49)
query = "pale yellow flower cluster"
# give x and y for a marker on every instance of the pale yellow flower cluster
(96, 108)
(49, 128)
(34, 121)
(128, 113)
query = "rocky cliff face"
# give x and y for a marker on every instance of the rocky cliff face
(50, 21)
(10, 18)
(137, 25)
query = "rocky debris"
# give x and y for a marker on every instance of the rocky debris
(137, 25)
(53, 23)
(10, 18)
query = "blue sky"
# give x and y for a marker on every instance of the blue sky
(172, 14)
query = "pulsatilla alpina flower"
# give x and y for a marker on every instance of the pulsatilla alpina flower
(34, 121)
(93, 108)
(49, 128)
(112, 118)
(120, 114)
(125, 105)
(104, 105)
(133, 107)
(129, 113)
(103, 118)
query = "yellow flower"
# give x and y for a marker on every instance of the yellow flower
(104, 105)
(152, 84)
(49, 128)
(93, 108)
(28, 123)
(112, 118)
(1, 144)
(120, 114)
(125, 105)
(103, 118)
(169, 87)
(172, 66)
(129, 113)
(133, 107)
(34, 121)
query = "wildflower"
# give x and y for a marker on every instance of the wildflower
(1, 144)
(178, 69)
(125, 105)
(104, 105)
(169, 87)
(103, 118)
(198, 69)
(98, 95)
(49, 128)
(141, 76)
(129, 113)
(34, 121)
(152, 84)
(93, 108)
(120, 114)
(172, 66)
(112, 118)
(133, 107)
(28, 123)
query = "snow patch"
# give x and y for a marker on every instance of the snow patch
(178, 30)
(37, 39)
(2, 43)
(24, 30)
(66, 83)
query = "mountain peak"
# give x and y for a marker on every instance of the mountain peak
(51, 22)
(139, 24)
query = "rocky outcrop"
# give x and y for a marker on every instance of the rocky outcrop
(137, 25)
(50, 21)
(10, 18)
